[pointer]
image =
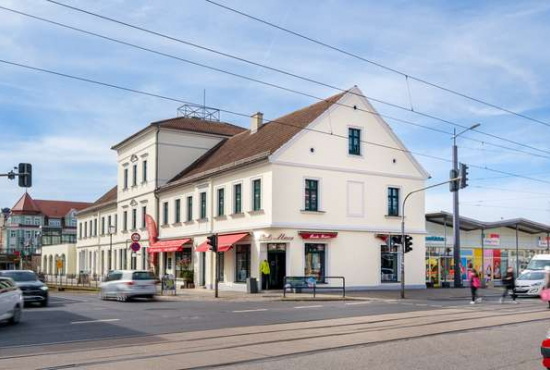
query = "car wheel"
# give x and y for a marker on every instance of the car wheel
(16, 317)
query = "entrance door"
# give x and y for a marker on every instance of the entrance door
(276, 257)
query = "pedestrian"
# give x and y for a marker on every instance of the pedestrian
(509, 283)
(475, 283)
(545, 293)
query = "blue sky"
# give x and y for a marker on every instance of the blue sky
(496, 51)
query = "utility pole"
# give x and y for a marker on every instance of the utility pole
(456, 212)
(403, 236)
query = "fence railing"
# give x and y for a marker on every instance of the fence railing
(297, 284)
(73, 280)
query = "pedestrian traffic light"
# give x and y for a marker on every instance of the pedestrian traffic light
(408, 243)
(212, 241)
(25, 175)
(463, 172)
(453, 185)
(396, 240)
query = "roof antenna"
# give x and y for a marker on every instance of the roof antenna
(198, 111)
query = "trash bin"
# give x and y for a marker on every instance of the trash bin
(251, 285)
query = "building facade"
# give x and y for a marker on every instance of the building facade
(305, 193)
(491, 247)
(34, 225)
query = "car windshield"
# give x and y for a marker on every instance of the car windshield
(532, 276)
(20, 276)
(538, 264)
(143, 275)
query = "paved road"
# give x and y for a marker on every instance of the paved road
(73, 316)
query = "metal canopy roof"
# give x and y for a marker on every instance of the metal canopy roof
(469, 224)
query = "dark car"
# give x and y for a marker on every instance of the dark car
(33, 289)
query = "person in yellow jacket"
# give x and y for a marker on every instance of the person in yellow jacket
(264, 272)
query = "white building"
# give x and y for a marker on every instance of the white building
(307, 192)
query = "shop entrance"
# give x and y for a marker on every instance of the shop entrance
(276, 257)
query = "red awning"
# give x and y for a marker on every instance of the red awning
(175, 245)
(225, 242)
(318, 236)
(204, 247)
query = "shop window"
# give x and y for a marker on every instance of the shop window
(354, 141)
(315, 261)
(184, 262)
(221, 256)
(312, 195)
(242, 263)
(393, 201)
(389, 266)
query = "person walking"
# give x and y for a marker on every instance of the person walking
(265, 271)
(475, 283)
(545, 293)
(509, 283)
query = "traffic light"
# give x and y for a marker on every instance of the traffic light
(25, 175)
(453, 185)
(408, 243)
(212, 241)
(463, 172)
(396, 240)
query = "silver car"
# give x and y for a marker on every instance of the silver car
(127, 284)
(11, 301)
(530, 283)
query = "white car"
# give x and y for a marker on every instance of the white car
(529, 283)
(127, 284)
(538, 262)
(11, 301)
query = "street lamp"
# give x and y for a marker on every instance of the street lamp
(456, 217)
(111, 231)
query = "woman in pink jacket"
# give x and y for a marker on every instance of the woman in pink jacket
(475, 283)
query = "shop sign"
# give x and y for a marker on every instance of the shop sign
(281, 237)
(543, 242)
(435, 240)
(491, 240)
(318, 236)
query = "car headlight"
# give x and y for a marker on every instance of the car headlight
(44, 287)
(537, 284)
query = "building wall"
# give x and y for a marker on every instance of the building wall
(50, 254)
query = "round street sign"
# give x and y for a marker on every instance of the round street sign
(135, 246)
(135, 237)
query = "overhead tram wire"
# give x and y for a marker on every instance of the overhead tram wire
(164, 97)
(202, 65)
(294, 75)
(380, 65)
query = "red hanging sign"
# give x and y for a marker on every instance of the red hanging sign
(318, 236)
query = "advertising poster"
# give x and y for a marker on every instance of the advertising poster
(477, 259)
(467, 257)
(497, 265)
(488, 265)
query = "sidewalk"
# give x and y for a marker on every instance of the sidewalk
(437, 294)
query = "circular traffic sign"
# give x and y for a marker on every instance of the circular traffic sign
(135, 237)
(135, 246)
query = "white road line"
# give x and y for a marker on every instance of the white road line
(317, 306)
(93, 321)
(356, 303)
(257, 310)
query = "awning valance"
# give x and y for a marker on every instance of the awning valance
(203, 247)
(225, 242)
(174, 245)
(317, 235)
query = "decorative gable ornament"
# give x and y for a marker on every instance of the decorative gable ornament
(133, 158)
(133, 203)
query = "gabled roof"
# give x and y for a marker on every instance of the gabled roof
(106, 199)
(245, 147)
(190, 124)
(59, 208)
(50, 208)
(25, 204)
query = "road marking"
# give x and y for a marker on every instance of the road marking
(356, 303)
(257, 310)
(93, 321)
(317, 306)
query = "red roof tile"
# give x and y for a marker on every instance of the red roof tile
(25, 204)
(50, 208)
(246, 147)
(107, 198)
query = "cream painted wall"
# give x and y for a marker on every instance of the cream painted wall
(69, 250)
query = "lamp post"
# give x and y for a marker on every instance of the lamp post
(112, 230)
(456, 217)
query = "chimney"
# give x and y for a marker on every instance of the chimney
(256, 122)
